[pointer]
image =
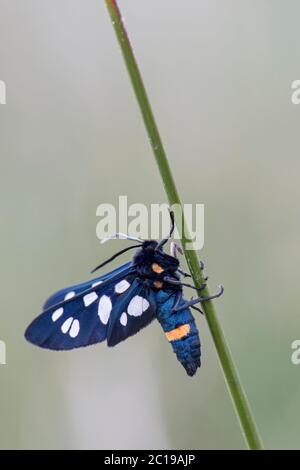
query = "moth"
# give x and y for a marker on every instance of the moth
(118, 304)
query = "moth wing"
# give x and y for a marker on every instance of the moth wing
(136, 311)
(113, 310)
(71, 291)
(80, 320)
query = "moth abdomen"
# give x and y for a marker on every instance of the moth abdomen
(181, 331)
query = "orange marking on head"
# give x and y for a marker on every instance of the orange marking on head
(158, 284)
(178, 333)
(157, 268)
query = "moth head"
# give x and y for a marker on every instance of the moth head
(159, 259)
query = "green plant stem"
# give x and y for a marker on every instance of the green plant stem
(234, 385)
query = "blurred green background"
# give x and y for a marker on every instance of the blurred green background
(219, 76)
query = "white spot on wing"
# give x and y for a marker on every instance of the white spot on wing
(57, 314)
(97, 283)
(74, 330)
(122, 286)
(69, 295)
(88, 299)
(66, 325)
(123, 319)
(104, 309)
(137, 306)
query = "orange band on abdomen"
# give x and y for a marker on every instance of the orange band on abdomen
(178, 333)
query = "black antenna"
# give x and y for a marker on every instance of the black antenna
(164, 240)
(115, 256)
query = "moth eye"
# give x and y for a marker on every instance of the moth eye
(157, 268)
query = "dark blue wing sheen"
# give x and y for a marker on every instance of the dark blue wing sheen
(70, 291)
(136, 310)
(114, 309)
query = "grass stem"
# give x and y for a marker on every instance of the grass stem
(236, 390)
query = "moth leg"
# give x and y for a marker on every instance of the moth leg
(192, 302)
(183, 273)
(177, 299)
(198, 309)
(175, 282)
(187, 274)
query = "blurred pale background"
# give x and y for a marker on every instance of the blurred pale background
(219, 76)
